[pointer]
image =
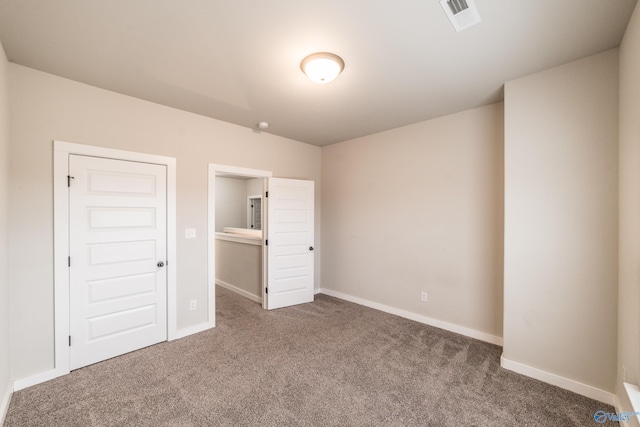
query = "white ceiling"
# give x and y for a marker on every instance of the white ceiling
(239, 60)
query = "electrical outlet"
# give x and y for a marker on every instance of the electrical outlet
(193, 304)
(189, 233)
(423, 296)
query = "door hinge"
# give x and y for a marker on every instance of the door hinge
(69, 178)
(267, 194)
(266, 242)
(69, 340)
(69, 261)
(266, 290)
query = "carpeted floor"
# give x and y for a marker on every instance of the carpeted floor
(328, 363)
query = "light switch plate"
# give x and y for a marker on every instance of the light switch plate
(189, 233)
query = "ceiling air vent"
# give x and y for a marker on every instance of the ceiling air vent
(457, 6)
(461, 13)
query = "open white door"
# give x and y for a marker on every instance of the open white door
(118, 246)
(290, 241)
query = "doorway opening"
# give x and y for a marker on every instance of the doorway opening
(286, 237)
(239, 235)
(236, 231)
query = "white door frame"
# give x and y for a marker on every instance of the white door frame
(61, 152)
(211, 196)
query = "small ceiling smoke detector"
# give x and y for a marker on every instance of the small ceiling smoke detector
(462, 13)
(263, 125)
(322, 67)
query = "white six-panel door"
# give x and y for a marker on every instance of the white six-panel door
(118, 296)
(290, 235)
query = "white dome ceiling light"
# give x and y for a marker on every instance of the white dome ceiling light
(322, 67)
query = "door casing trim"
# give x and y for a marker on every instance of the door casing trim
(61, 152)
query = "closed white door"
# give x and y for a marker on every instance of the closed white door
(290, 236)
(118, 297)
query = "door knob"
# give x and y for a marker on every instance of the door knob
(160, 264)
(310, 248)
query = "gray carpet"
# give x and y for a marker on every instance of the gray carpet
(328, 363)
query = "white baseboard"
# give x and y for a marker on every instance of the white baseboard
(618, 406)
(37, 379)
(472, 333)
(239, 291)
(200, 327)
(4, 402)
(558, 381)
(55, 373)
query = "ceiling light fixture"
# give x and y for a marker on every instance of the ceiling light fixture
(322, 67)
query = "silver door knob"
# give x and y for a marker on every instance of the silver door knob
(160, 264)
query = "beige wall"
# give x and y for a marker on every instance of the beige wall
(629, 193)
(46, 107)
(4, 220)
(240, 265)
(231, 203)
(419, 208)
(255, 187)
(561, 220)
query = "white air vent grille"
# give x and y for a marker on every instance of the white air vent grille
(462, 13)
(457, 6)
